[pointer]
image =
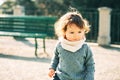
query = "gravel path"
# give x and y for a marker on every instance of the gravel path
(17, 60)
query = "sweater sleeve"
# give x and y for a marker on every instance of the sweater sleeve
(55, 59)
(89, 63)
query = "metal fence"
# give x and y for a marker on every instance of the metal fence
(115, 26)
(92, 16)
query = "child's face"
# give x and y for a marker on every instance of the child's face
(73, 33)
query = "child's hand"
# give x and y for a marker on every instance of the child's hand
(51, 73)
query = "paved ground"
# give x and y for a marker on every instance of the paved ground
(17, 60)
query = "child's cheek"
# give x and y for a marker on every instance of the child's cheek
(82, 36)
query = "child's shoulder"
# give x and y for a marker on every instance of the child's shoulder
(86, 45)
(58, 43)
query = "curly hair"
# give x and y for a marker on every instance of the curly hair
(70, 18)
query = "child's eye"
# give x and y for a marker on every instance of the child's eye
(71, 32)
(79, 32)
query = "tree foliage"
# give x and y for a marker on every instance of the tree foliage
(8, 6)
(49, 7)
(56, 7)
(29, 6)
(93, 3)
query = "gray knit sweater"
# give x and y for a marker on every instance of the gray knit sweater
(73, 66)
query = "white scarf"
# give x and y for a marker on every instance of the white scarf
(71, 46)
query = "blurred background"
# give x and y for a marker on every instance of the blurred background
(17, 54)
(88, 8)
(55, 7)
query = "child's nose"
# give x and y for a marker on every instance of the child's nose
(76, 38)
(76, 35)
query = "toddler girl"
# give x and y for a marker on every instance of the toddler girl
(73, 58)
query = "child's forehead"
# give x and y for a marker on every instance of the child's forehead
(73, 27)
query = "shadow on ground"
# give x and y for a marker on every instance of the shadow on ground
(25, 41)
(34, 59)
(111, 48)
